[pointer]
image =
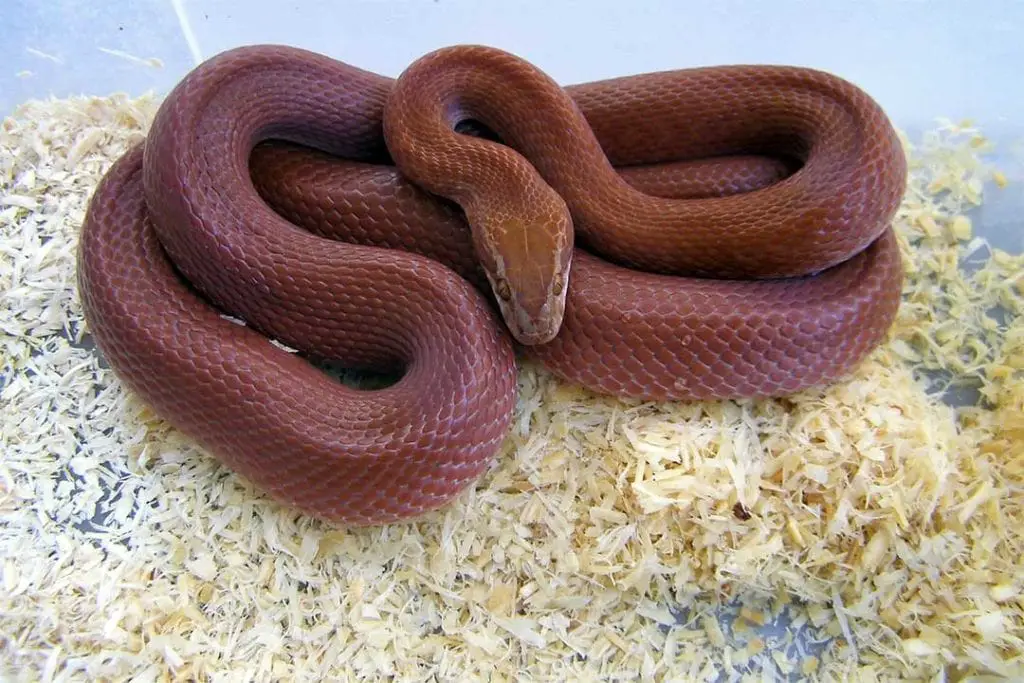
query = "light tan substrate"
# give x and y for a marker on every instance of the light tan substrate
(600, 544)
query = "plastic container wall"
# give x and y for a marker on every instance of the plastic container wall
(920, 59)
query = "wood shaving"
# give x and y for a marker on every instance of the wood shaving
(35, 52)
(151, 62)
(868, 530)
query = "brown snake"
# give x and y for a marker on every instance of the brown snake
(757, 198)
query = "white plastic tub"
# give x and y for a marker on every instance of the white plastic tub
(921, 60)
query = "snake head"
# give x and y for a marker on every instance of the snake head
(527, 262)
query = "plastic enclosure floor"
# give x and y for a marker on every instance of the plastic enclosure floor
(920, 60)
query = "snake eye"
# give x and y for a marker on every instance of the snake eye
(558, 286)
(503, 290)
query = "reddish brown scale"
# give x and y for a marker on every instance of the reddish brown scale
(722, 338)
(370, 457)
(842, 199)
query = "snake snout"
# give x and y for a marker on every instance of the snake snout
(533, 320)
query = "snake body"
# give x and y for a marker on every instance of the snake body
(705, 233)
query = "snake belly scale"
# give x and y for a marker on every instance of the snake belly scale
(699, 234)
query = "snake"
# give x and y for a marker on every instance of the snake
(699, 234)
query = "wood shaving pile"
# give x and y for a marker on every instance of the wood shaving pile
(868, 530)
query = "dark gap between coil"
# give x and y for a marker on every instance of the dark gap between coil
(362, 379)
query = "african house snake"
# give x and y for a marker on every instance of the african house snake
(775, 186)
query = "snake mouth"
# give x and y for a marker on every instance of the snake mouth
(537, 335)
(533, 323)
